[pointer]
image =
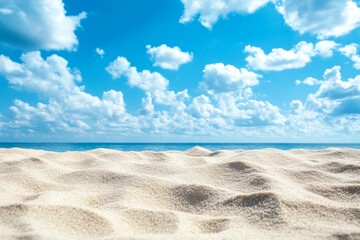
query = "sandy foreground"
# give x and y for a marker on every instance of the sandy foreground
(196, 194)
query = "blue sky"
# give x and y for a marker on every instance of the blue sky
(180, 71)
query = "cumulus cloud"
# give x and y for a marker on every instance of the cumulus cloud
(246, 111)
(168, 57)
(50, 75)
(229, 109)
(7, 65)
(150, 82)
(280, 59)
(230, 88)
(333, 110)
(100, 51)
(220, 78)
(210, 11)
(67, 110)
(258, 113)
(325, 48)
(148, 106)
(332, 18)
(201, 107)
(309, 81)
(336, 96)
(68, 106)
(39, 24)
(119, 67)
(350, 51)
(145, 80)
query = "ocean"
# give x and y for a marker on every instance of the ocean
(63, 147)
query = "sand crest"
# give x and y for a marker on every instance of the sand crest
(196, 194)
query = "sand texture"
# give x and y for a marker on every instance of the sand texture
(196, 194)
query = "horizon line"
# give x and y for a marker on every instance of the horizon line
(41, 142)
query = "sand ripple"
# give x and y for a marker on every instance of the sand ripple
(196, 194)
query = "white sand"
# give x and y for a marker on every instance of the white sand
(197, 194)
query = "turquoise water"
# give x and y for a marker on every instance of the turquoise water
(62, 147)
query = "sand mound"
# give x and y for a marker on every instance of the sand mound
(196, 194)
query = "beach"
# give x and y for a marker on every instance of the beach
(193, 194)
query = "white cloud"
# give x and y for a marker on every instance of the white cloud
(220, 78)
(6, 65)
(147, 81)
(68, 106)
(325, 48)
(148, 106)
(201, 107)
(298, 57)
(296, 106)
(176, 100)
(356, 60)
(229, 110)
(168, 57)
(247, 111)
(210, 11)
(113, 103)
(119, 67)
(333, 111)
(67, 111)
(100, 51)
(336, 96)
(51, 75)
(150, 82)
(350, 51)
(41, 24)
(257, 113)
(331, 18)
(230, 87)
(280, 59)
(309, 81)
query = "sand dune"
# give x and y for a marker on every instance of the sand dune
(196, 194)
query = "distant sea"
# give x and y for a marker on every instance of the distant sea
(63, 147)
